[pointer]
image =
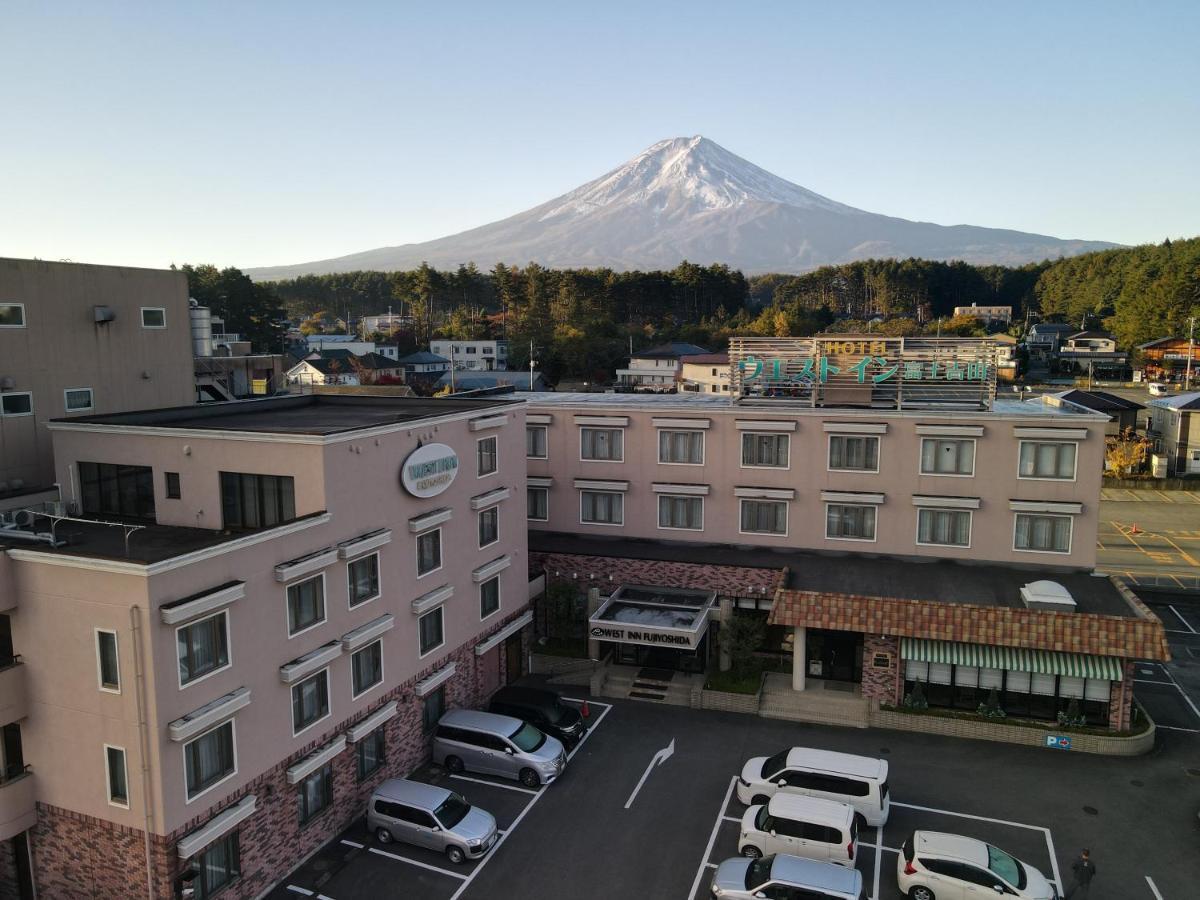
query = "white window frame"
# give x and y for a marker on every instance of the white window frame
(232, 723)
(378, 580)
(184, 685)
(417, 553)
(583, 521)
(776, 434)
(495, 455)
(99, 664)
(491, 510)
(970, 527)
(20, 306)
(1070, 533)
(829, 452)
(658, 441)
(1074, 468)
(589, 459)
(787, 516)
(79, 409)
(108, 776)
(161, 309)
(499, 597)
(658, 511)
(935, 439)
(858, 540)
(439, 609)
(18, 415)
(287, 606)
(292, 701)
(545, 491)
(545, 430)
(382, 669)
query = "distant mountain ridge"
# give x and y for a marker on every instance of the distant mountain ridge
(690, 198)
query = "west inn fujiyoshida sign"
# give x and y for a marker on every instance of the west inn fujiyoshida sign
(859, 370)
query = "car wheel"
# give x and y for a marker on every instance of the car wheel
(920, 892)
(750, 852)
(384, 836)
(455, 855)
(530, 779)
(454, 765)
(759, 800)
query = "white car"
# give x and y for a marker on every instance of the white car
(933, 865)
(1158, 389)
(859, 781)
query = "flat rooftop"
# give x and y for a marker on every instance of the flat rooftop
(937, 580)
(312, 414)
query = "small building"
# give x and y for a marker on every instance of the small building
(1175, 430)
(424, 364)
(1166, 359)
(1094, 352)
(989, 315)
(473, 356)
(384, 323)
(1123, 413)
(321, 370)
(1045, 338)
(704, 373)
(655, 370)
(1007, 366)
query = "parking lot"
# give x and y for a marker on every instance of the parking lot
(1170, 692)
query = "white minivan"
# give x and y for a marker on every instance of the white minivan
(802, 826)
(860, 781)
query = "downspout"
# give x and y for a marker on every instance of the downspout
(135, 623)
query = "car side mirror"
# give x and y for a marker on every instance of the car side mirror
(781, 783)
(508, 750)
(773, 833)
(761, 895)
(437, 827)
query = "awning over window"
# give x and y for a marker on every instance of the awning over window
(1042, 662)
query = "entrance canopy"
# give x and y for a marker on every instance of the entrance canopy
(657, 616)
(985, 656)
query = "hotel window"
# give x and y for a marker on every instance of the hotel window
(433, 708)
(681, 512)
(769, 450)
(489, 526)
(107, 662)
(430, 631)
(203, 647)
(853, 523)
(209, 759)
(1047, 534)
(604, 444)
(306, 604)
(535, 441)
(12, 315)
(764, 516)
(489, 597)
(19, 403)
(310, 701)
(77, 399)
(220, 864)
(118, 785)
(316, 793)
(1047, 460)
(485, 454)
(947, 457)
(171, 485)
(429, 552)
(371, 752)
(601, 508)
(363, 578)
(681, 447)
(154, 317)
(537, 504)
(948, 527)
(856, 453)
(366, 667)
(124, 492)
(256, 501)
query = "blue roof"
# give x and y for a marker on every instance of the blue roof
(1179, 401)
(423, 356)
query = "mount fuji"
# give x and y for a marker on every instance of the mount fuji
(690, 198)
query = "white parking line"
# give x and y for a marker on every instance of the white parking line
(1186, 623)
(496, 784)
(712, 839)
(413, 862)
(593, 726)
(1149, 681)
(299, 890)
(1177, 728)
(732, 819)
(1153, 888)
(878, 861)
(352, 843)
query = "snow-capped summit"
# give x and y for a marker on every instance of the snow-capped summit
(690, 198)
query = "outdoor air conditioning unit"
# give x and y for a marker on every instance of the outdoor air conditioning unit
(103, 314)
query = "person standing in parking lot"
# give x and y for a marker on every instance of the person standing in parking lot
(1084, 871)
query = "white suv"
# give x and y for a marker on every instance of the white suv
(932, 864)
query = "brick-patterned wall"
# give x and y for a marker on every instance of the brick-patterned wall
(727, 581)
(881, 683)
(77, 856)
(8, 870)
(1120, 703)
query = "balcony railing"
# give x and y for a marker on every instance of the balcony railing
(18, 807)
(14, 699)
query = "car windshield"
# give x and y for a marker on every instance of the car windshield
(774, 764)
(1006, 867)
(758, 872)
(557, 712)
(452, 811)
(527, 738)
(763, 820)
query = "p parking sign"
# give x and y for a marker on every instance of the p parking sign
(1058, 742)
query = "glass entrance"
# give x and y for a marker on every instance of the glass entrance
(834, 655)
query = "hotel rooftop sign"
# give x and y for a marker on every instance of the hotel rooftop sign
(865, 370)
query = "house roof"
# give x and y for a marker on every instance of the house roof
(327, 366)
(474, 381)
(672, 350)
(1163, 340)
(1052, 328)
(1100, 401)
(1089, 334)
(1189, 401)
(378, 361)
(706, 359)
(339, 353)
(423, 356)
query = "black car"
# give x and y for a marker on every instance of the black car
(544, 710)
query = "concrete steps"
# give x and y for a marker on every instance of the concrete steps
(815, 704)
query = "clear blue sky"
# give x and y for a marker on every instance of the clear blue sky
(255, 133)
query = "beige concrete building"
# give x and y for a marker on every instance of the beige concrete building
(1175, 430)
(83, 340)
(705, 373)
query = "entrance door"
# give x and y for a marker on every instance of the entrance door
(836, 655)
(514, 659)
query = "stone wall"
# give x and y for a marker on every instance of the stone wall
(882, 683)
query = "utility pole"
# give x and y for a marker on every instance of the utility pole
(1187, 374)
(531, 365)
(453, 387)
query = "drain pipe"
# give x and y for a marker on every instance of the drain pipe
(135, 623)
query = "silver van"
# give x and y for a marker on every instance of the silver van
(467, 739)
(427, 816)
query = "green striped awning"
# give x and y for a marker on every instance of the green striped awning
(1041, 662)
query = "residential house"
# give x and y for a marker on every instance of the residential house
(473, 356)
(989, 315)
(1094, 352)
(705, 373)
(1122, 413)
(1175, 430)
(1166, 359)
(655, 370)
